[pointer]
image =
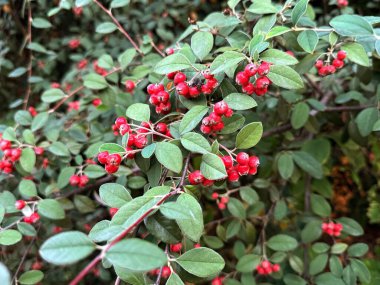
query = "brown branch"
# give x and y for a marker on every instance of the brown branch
(30, 61)
(119, 26)
(347, 108)
(156, 48)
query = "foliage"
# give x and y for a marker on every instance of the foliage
(227, 151)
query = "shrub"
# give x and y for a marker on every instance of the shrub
(205, 154)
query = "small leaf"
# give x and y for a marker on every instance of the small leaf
(308, 40)
(278, 57)
(320, 206)
(39, 121)
(9, 237)
(52, 95)
(249, 136)
(27, 188)
(351, 227)
(366, 120)
(171, 63)
(351, 25)
(174, 279)
(356, 53)
(139, 112)
(31, 277)
(51, 209)
(308, 163)
(285, 165)
(106, 28)
(202, 43)
(300, 115)
(28, 159)
(212, 167)
(195, 142)
(66, 248)
(238, 101)
(192, 118)
(114, 195)
(202, 262)
(126, 57)
(170, 156)
(299, 10)
(285, 77)
(282, 242)
(112, 148)
(17, 72)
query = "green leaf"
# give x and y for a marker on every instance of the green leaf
(292, 279)
(163, 229)
(212, 167)
(41, 23)
(94, 171)
(114, 195)
(278, 57)
(119, 3)
(249, 136)
(105, 61)
(9, 237)
(366, 119)
(299, 10)
(112, 148)
(226, 61)
(60, 149)
(39, 121)
(351, 227)
(336, 266)
(17, 72)
(238, 101)
(248, 263)
(28, 159)
(52, 95)
(351, 25)
(202, 43)
(137, 255)
(339, 248)
(296, 264)
(308, 40)
(104, 231)
(308, 164)
(171, 63)
(300, 115)
(285, 77)
(361, 270)
(170, 156)
(64, 176)
(201, 262)
(277, 31)
(191, 228)
(31, 277)
(318, 264)
(358, 250)
(9, 134)
(106, 28)
(126, 58)
(262, 7)
(232, 124)
(328, 279)
(174, 279)
(236, 208)
(312, 231)
(148, 151)
(285, 165)
(139, 112)
(192, 118)
(81, 3)
(320, 206)
(28, 136)
(23, 118)
(94, 81)
(66, 248)
(51, 209)
(356, 53)
(282, 242)
(195, 142)
(27, 188)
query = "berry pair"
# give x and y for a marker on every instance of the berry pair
(332, 229)
(159, 98)
(12, 154)
(213, 122)
(74, 105)
(327, 69)
(78, 180)
(258, 72)
(32, 111)
(266, 268)
(166, 272)
(111, 161)
(99, 70)
(196, 178)
(246, 165)
(194, 87)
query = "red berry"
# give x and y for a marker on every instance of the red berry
(262, 82)
(194, 92)
(218, 127)
(242, 169)
(111, 168)
(242, 158)
(182, 89)
(276, 267)
(5, 144)
(196, 177)
(32, 111)
(171, 75)
(176, 247)
(97, 102)
(221, 206)
(253, 161)
(214, 118)
(113, 211)
(221, 108)
(102, 157)
(169, 51)
(241, 78)
(318, 64)
(227, 161)
(214, 195)
(130, 85)
(161, 128)
(113, 159)
(250, 69)
(163, 96)
(224, 199)
(34, 218)
(207, 182)
(341, 55)
(263, 69)
(229, 113)
(249, 88)
(120, 121)
(20, 204)
(260, 270)
(331, 69)
(197, 245)
(179, 77)
(206, 90)
(206, 129)
(140, 141)
(217, 281)
(74, 180)
(39, 150)
(252, 170)
(337, 63)
(83, 180)
(125, 128)
(233, 176)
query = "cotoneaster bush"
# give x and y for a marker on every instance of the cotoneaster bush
(205, 158)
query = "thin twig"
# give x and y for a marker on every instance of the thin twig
(30, 63)
(119, 26)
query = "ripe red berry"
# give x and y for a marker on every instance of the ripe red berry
(214, 118)
(161, 128)
(169, 51)
(113, 211)
(39, 150)
(337, 63)
(111, 168)
(242, 169)
(125, 128)
(176, 247)
(196, 177)
(214, 195)
(206, 129)
(74, 180)
(229, 113)
(221, 108)
(102, 157)
(224, 199)
(217, 281)
(250, 69)
(130, 86)
(262, 82)
(97, 102)
(197, 245)
(276, 267)
(241, 78)
(34, 218)
(221, 206)
(140, 141)
(113, 159)
(318, 64)
(233, 176)
(83, 180)
(341, 55)
(32, 111)
(182, 89)
(242, 158)
(249, 88)
(227, 161)
(179, 77)
(171, 75)
(5, 144)
(166, 271)
(20, 204)
(120, 121)
(263, 69)
(207, 182)
(163, 96)
(253, 161)
(194, 92)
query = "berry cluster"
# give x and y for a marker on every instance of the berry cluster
(78, 180)
(342, 3)
(11, 156)
(213, 122)
(196, 86)
(332, 229)
(266, 268)
(221, 201)
(159, 98)
(327, 69)
(29, 218)
(166, 272)
(258, 72)
(196, 178)
(246, 165)
(111, 161)
(130, 86)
